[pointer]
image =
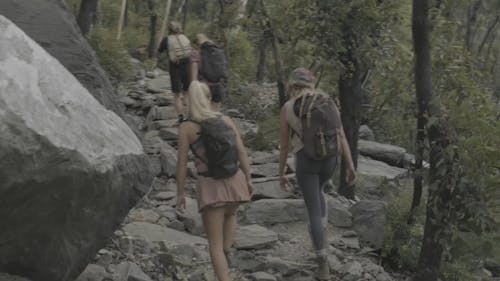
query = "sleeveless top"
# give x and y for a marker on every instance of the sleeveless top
(296, 127)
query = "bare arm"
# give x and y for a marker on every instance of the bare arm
(284, 139)
(346, 151)
(194, 71)
(182, 159)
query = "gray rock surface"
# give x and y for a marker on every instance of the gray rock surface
(8, 277)
(254, 237)
(70, 168)
(369, 222)
(155, 233)
(53, 26)
(387, 153)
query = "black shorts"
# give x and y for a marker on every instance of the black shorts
(180, 75)
(218, 92)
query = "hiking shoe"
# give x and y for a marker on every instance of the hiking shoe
(323, 271)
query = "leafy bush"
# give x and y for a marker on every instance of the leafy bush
(403, 241)
(242, 60)
(112, 53)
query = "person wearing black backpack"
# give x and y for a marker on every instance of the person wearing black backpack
(178, 48)
(209, 65)
(223, 168)
(310, 127)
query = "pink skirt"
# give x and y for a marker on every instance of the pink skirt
(220, 192)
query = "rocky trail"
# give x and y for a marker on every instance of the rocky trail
(155, 242)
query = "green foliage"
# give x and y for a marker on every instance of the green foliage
(111, 53)
(268, 134)
(242, 55)
(402, 245)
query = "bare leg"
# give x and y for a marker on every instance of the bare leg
(213, 220)
(230, 223)
(179, 108)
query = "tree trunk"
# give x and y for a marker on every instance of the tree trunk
(491, 28)
(471, 21)
(97, 19)
(419, 156)
(350, 103)
(120, 21)
(166, 14)
(279, 71)
(261, 67)
(87, 15)
(443, 169)
(277, 57)
(185, 13)
(152, 29)
(125, 17)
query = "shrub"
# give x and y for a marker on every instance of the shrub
(112, 53)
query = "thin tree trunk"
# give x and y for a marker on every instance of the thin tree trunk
(125, 18)
(419, 156)
(277, 57)
(152, 47)
(166, 14)
(120, 22)
(491, 28)
(279, 71)
(471, 21)
(97, 19)
(86, 15)
(261, 67)
(350, 103)
(443, 169)
(184, 17)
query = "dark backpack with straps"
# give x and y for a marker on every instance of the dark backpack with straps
(214, 67)
(221, 153)
(320, 125)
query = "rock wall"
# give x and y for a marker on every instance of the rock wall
(53, 27)
(69, 168)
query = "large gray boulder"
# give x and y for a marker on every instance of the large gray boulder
(69, 168)
(369, 222)
(388, 153)
(53, 27)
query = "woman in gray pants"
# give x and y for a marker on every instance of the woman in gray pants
(311, 174)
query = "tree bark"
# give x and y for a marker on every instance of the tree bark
(261, 67)
(166, 14)
(491, 28)
(125, 17)
(87, 15)
(120, 21)
(185, 13)
(278, 63)
(350, 103)
(152, 47)
(471, 21)
(444, 175)
(419, 159)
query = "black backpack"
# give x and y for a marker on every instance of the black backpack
(221, 153)
(213, 62)
(320, 125)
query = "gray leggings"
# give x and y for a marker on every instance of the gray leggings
(311, 175)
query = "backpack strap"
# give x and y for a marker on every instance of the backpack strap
(308, 113)
(192, 147)
(179, 41)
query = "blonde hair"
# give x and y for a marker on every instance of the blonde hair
(174, 27)
(199, 104)
(200, 38)
(295, 90)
